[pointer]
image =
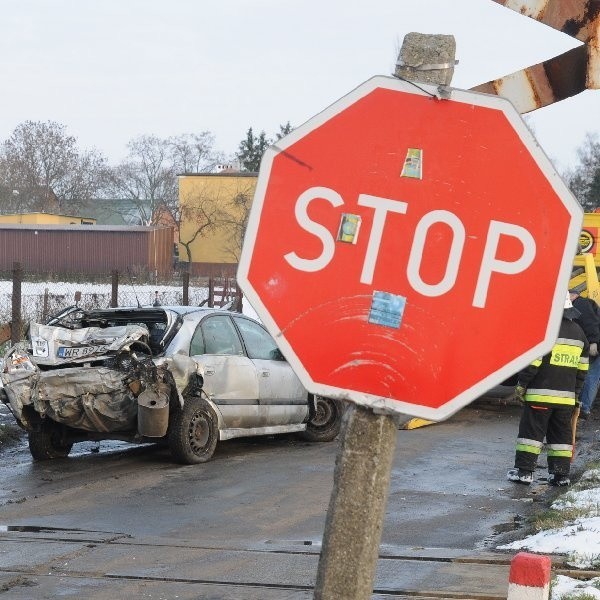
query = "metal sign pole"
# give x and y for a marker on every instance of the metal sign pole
(354, 524)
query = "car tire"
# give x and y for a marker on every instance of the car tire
(324, 421)
(46, 444)
(193, 432)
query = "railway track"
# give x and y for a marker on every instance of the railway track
(99, 564)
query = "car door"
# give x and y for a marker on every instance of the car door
(230, 377)
(284, 398)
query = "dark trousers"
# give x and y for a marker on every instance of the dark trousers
(552, 422)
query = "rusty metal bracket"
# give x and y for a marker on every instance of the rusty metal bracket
(562, 76)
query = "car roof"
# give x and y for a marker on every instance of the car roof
(180, 310)
(187, 310)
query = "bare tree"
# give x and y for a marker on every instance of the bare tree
(584, 179)
(42, 169)
(203, 212)
(194, 153)
(233, 218)
(148, 176)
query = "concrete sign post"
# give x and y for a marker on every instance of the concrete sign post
(348, 560)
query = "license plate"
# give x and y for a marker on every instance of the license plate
(79, 351)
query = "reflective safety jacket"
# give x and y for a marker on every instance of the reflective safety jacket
(557, 378)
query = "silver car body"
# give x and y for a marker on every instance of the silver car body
(62, 374)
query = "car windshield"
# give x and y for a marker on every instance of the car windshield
(157, 322)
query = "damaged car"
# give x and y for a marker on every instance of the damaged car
(187, 376)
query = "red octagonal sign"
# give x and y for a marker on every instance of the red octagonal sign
(409, 252)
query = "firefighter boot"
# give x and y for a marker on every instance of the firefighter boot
(520, 476)
(559, 480)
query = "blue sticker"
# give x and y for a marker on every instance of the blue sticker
(387, 309)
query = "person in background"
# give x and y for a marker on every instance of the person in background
(589, 321)
(549, 388)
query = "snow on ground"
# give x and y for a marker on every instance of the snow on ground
(94, 295)
(567, 587)
(98, 294)
(578, 538)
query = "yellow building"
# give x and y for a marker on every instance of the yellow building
(214, 211)
(39, 218)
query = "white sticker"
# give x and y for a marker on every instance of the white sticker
(39, 346)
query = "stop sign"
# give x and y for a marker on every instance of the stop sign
(409, 252)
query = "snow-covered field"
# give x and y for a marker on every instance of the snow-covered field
(38, 300)
(52, 296)
(574, 589)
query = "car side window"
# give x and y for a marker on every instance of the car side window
(157, 333)
(259, 344)
(220, 336)
(197, 343)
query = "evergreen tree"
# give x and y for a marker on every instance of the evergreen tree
(252, 148)
(284, 130)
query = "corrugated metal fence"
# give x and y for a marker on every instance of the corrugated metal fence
(86, 248)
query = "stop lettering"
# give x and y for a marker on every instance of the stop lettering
(381, 206)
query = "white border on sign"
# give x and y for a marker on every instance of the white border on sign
(562, 280)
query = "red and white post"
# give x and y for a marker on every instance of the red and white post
(529, 577)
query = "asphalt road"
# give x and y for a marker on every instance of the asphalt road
(248, 524)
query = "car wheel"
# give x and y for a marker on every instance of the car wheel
(46, 443)
(193, 432)
(324, 420)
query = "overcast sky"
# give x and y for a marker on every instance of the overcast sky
(113, 69)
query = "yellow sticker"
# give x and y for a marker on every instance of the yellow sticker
(413, 164)
(349, 226)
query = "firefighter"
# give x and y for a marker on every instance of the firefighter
(589, 320)
(549, 389)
